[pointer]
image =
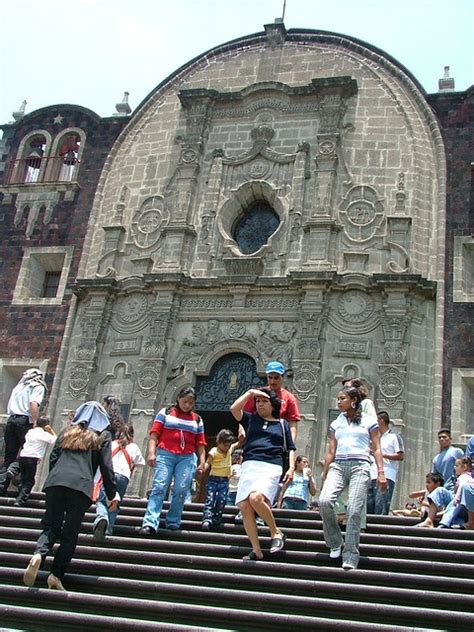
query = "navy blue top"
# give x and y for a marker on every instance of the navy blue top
(265, 439)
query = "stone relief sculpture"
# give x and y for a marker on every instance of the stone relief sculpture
(202, 337)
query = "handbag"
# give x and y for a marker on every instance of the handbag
(286, 453)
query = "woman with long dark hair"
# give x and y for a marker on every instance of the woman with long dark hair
(352, 435)
(79, 450)
(267, 439)
(176, 435)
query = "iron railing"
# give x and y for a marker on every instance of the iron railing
(36, 169)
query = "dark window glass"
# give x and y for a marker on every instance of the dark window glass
(255, 226)
(51, 284)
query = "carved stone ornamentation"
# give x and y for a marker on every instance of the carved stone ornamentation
(147, 223)
(201, 339)
(305, 381)
(275, 341)
(394, 353)
(354, 312)
(79, 379)
(355, 306)
(131, 313)
(86, 351)
(208, 302)
(148, 379)
(237, 330)
(361, 213)
(289, 303)
(391, 384)
(155, 345)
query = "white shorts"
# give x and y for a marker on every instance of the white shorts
(257, 476)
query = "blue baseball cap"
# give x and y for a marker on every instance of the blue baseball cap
(275, 367)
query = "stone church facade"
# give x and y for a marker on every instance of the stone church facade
(283, 197)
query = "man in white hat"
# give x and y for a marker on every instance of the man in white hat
(23, 412)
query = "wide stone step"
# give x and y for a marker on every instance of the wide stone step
(236, 607)
(408, 578)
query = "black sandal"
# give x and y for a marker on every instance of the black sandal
(277, 544)
(252, 556)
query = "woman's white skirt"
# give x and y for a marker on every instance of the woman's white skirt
(257, 476)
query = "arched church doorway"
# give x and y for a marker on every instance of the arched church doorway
(229, 377)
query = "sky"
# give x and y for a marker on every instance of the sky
(88, 52)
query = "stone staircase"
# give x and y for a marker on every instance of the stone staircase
(408, 579)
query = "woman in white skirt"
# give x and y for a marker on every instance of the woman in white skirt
(267, 437)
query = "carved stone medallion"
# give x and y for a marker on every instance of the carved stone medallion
(148, 378)
(355, 307)
(304, 381)
(237, 330)
(131, 313)
(150, 221)
(391, 383)
(79, 379)
(361, 213)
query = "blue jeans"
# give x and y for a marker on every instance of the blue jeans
(216, 498)
(169, 465)
(453, 515)
(101, 509)
(379, 502)
(294, 503)
(441, 497)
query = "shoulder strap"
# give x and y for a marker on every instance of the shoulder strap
(282, 424)
(128, 458)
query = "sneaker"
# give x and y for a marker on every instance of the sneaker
(347, 566)
(239, 518)
(260, 521)
(173, 527)
(99, 530)
(19, 503)
(206, 525)
(335, 553)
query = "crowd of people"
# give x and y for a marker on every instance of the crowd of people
(256, 468)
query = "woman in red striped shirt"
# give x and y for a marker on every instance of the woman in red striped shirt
(176, 436)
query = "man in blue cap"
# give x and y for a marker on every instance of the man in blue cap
(289, 406)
